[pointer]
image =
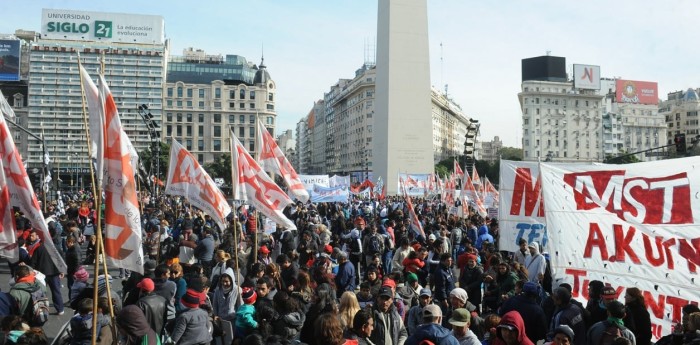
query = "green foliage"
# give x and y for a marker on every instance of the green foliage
(623, 158)
(511, 153)
(220, 167)
(146, 159)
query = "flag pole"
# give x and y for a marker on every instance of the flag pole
(235, 210)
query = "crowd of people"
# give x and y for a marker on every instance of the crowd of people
(355, 273)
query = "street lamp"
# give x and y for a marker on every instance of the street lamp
(154, 135)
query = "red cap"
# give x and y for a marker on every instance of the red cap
(146, 284)
(264, 250)
(471, 257)
(328, 249)
(389, 282)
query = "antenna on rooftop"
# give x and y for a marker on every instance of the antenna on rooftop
(441, 60)
(549, 52)
(370, 52)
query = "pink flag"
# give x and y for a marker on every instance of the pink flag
(271, 158)
(251, 184)
(8, 237)
(188, 179)
(123, 246)
(22, 193)
(411, 212)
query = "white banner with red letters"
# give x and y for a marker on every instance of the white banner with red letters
(271, 158)
(188, 179)
(250, 183)
(633, 225)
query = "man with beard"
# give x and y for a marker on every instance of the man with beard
(42, 262)
(388, 326)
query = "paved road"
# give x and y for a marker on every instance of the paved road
(53, 326)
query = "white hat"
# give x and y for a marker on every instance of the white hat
(432, 237)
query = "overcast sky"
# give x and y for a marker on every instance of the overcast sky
(309, 45)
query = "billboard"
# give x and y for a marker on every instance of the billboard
(640, 92)
(99, 26)
(9, 60)
(587, 77)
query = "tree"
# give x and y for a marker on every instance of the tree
(220, 167)
(511, 153)
(623, 158)
(146, 159)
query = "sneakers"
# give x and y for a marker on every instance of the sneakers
(60, 313)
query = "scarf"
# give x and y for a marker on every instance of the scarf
(30, 279)
(616, 321)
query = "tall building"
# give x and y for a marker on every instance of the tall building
(207, 96)
(342, 143)
(134, 52)
(585, 118)
(490, 150)
(403, 77)
(680, 112)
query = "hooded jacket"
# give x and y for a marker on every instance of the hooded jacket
(431, 331)
(513, 319)
(536, 264)
(289, 325)
(483, 236)
(81, 327)
(226, 303)
(135, 327)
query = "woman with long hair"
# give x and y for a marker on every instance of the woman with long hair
(303, 291)
(323, 301)
(273, 270)
(291, 317)
(637, 318)
(348, 308)
(328, 330)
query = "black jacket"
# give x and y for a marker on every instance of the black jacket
(532, 313)
(396, 326)
(155, 308)
(470, 280)
(73, 259)
(444, 283)
(639, 322)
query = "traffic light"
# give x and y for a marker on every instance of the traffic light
(679, 140)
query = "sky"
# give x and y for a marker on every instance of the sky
(476, 47)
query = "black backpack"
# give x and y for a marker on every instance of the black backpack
(37, 313)
(375, 245)
(610, 333)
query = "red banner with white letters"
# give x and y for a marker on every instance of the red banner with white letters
(633, 225)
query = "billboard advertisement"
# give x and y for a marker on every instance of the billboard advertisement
(640, 92)
(9, 60)
(99, 26)
(587, 77)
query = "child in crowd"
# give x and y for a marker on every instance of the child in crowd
(80, 277)
(245, 315)
(364, 297)
(81, 323)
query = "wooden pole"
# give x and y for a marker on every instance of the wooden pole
(255, 238)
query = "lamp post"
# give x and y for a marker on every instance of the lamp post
(154, 135)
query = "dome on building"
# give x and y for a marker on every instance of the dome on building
(261, 76)
(690, 95)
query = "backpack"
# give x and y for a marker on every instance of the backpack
(38, 312)
(610, 333)
(375, 245)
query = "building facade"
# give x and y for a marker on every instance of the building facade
(134, 63)
(208, 96)
(680, 112)
(491, 150)
(336, 136)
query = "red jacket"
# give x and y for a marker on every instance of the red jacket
(512, 319)
(412, 265)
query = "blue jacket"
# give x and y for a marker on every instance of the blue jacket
(437, 334)
(483, 236)
(345, 279)
(444, 283)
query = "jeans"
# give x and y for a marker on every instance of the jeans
(54, 285)
(386, 261)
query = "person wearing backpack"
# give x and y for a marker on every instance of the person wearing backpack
(42, 262)
(30, 295)
(373, 244)
(605, 332)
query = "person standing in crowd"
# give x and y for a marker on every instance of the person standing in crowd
(431, 328)
(523, 253)
(73, 260)
(595, 306)
(373, 244)
(192, 325)
(362, 327)
(511, 330)
(328, 330)
(444, 281)
(134, 327)
(604, 330)
(526, 304)
(345, 279)
(400, 255)
(536, 264)
(388, 325)
(227, 297)
(569, 314)
(42, 262)
(347, 309)
(460, 322)
(637, 317)
(154, 306)
(563, 335)
(204, 251)
(471, 279)
(26, 284)
(415, 314)
(176, 276)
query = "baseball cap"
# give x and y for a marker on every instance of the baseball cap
(460, 317)
(146, 284)
(432, 237)
(425, 292)
(530, 288)
(385, 291)
(431, 310)
(609, 293)
(389, 282)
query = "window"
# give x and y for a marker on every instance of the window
(188, 143)
(270, 97)
(217, 93)
(232, 119)
(169, 130)
(179, 104)
(179, 91)
(170, 103)
(189, 104)
(201, 93)
(200, 145)
(200, 158)
(251, 132)
(241, 106)
(270, 120)
(217, 105)
(252, 105)
(241, 132)
(179, 131)
(232, 105)
(200, 131)
(189, 117)
(270, 107)
(189, 93)
(217, 131)
(189, 131)
(169, 116)
(242, 96)
(251, 95)
(251, 146)
(217, 118)
(201, 104)
(179, 117)
(251, 118)
(217, 144)
(232, 94)
(170, 92)
(201, 117)
(241, 118)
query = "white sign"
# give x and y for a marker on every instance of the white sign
(219, 181)
(521, 211)
(310, 180)
(633, 225)
(587, 77)
(104, 27)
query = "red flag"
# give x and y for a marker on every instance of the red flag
(457, 169)
(8, 237)
(411, 212)
(188, 179)
(251, 184)
(21, 191)
(123, 246)
(272, 158)
(473, 197)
